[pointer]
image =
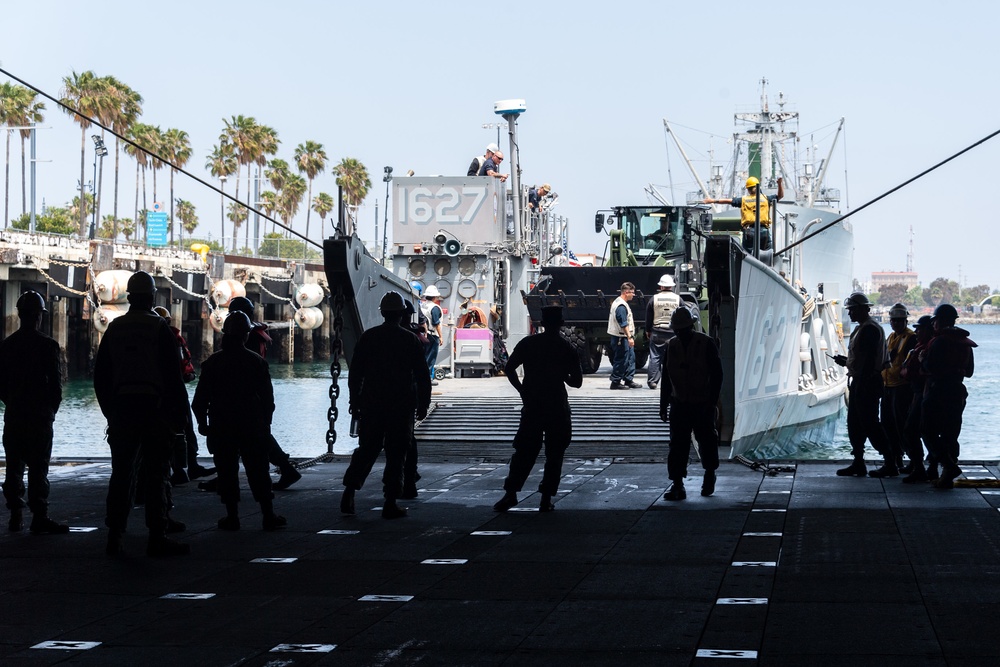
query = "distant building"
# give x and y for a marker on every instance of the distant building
(882, 278)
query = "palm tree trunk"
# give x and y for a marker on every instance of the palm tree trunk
(83, 182)
(6, 186)
(309, 199)
(145, 208)
(115, 211)
(24, 172)
(171, 206)
(135, 218)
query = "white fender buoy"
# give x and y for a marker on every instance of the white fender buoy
(227, 290)
(218, 318)
(106, 313)
(309, 318)
(309, 295)
(111, 286)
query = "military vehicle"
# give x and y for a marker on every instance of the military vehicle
(644, 242)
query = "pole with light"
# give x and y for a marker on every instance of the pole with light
(100, 150)
(222, 206)
(387, 178)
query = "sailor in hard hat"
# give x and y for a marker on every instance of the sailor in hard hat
(693, 372)
(897, 395)
(389, 385)
(479, 160)
(949, 360)
(749, 205)
(431, 307)
(866, 357)
(658, 312)
(31, 390)
(139, 387)
(234, 403)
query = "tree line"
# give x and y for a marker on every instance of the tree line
(243, 143)
(941, 290)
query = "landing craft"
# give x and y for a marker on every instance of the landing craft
(474, 239)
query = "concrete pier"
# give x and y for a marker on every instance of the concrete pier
(62, 269)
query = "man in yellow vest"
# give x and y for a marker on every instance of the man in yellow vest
(748, 212)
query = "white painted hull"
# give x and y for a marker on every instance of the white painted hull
(782, 394)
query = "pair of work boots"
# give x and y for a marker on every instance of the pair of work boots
(677, 491)
(510, 500)
(41, 524)
(159, 546)
(390, 510)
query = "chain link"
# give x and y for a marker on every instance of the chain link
(336, 348)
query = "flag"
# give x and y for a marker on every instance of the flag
(570, 255)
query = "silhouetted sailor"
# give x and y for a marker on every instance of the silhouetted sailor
(913, 372)
(898, 394)
(31, 390)
(550, 363)
(693, 370)
(388, 363)
(258, 342)
(948, 361)
(185, 458)
(233, 404)
(416, 323)
(866, 357)
(138, 384)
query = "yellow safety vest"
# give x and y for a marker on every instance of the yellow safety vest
(748, 210)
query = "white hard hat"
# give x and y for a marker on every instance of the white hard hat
(666, 280)
(432, 292)
(492, 148)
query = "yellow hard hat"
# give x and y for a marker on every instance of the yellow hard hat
(752, 182)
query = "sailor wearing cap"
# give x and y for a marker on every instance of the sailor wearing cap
(866, 357)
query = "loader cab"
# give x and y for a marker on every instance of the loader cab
(653, 234)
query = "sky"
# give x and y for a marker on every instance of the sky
(410, 85)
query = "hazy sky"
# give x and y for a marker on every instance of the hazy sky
(411, 84)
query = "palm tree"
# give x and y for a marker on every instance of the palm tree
(154, 145)
(186, 214)
(177, 149)
(82, 93)
(291, 197)
(277, 173)
(222, 164)
(311, 160)
(126, 226)
(22, 109)
(352, 176)
(238, 133)
(265, 143)
(8, 95)
(237, 216)
(322, 204)
(145, 137)
(125, 112)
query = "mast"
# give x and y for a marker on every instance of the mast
(697, 178)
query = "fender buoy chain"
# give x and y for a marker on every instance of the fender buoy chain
(336, 348)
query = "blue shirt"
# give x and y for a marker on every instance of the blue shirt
(487, 167)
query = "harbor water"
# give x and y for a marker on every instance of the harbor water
(302, 398)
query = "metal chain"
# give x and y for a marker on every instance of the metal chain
(280, 298)
(336, 348)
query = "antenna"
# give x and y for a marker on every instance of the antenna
(909, 254)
